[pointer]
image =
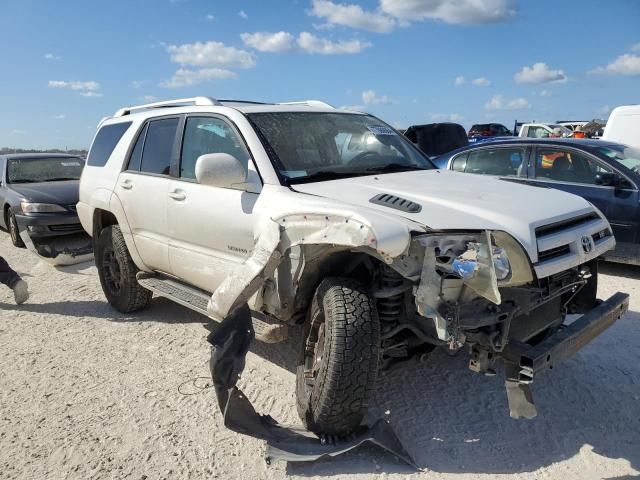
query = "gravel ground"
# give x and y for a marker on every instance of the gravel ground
(86, 392)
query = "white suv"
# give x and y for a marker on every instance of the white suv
(329, 218)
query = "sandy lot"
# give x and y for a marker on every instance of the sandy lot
(88, 393)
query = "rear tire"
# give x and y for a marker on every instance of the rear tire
(117, 272)
(338, 364)
(14, 231)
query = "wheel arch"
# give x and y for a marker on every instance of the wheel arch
(329, 262)
(104, 218)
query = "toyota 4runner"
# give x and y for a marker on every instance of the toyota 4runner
(332, 219)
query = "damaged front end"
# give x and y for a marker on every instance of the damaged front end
(480, 290)
(60, 250)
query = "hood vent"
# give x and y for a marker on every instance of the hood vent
(398, 203)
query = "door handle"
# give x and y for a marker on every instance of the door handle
(127, 185)
(178, 195)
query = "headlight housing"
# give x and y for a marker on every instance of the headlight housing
(467, 264)
(29, 207)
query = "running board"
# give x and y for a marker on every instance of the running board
(197, 300)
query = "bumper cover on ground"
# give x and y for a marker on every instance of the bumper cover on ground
(230, 344)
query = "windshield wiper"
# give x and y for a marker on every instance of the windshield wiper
(395, 167)
(326, 175)
(61, 179)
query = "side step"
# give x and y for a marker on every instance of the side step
(267, 330)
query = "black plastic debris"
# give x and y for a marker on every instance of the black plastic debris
(230, 344)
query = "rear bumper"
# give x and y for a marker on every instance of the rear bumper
(49, 225)
(565, 342)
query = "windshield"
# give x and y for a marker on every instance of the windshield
(34, 170)
(320, 146)
(627, 156)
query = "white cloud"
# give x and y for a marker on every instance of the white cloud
(539, 73)
(635, 48)
(136, 83)
(545, 93)
(498, 102)
(75, 85)
(243, 14)
(19, 132)
(309, 43)
(627, 64)
(459, 80)
(352, 16)
(186, 78)
(276, 42)
(61, 116)
(210, 18)
(210, 54)
(447, 117)
(149, 98)
(86, 89)
(469, 12)
(370, 97)
(604, 111)
(51, 56)
(481, 82)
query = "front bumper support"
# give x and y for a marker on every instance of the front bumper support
(524, 361)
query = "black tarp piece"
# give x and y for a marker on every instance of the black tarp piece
(230, 344)
(437, 138)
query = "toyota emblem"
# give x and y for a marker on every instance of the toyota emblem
(587, 244)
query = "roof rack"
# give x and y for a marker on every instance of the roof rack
(180, 102)
(310, 103)
(248, 102)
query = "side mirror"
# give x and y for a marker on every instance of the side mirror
(607, 179)
(220, 170)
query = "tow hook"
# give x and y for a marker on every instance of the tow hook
(230, 344)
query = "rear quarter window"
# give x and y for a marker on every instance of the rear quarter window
(104, 143)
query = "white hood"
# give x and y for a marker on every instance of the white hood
(460, 201)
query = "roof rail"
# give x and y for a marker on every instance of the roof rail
(310, 103)
(180, 102)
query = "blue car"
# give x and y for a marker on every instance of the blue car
(605, 173)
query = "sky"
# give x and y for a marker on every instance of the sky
(67, 64)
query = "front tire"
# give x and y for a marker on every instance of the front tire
(338, 364)
(14, 231)
(117, 272)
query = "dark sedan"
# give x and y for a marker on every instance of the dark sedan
(38, 195)
(605, 173)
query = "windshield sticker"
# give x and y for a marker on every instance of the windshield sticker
(70, 164)
(295, 173)
(380, 130)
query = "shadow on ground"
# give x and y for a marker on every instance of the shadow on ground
(619, 270)
(159, 310)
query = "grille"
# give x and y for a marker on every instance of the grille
(72, 227)
(565, 224)
(554, 253)
(398, 203)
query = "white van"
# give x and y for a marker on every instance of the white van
(623, 126)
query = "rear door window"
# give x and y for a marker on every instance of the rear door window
(158, 146)
(496, 161)
(105, 142)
